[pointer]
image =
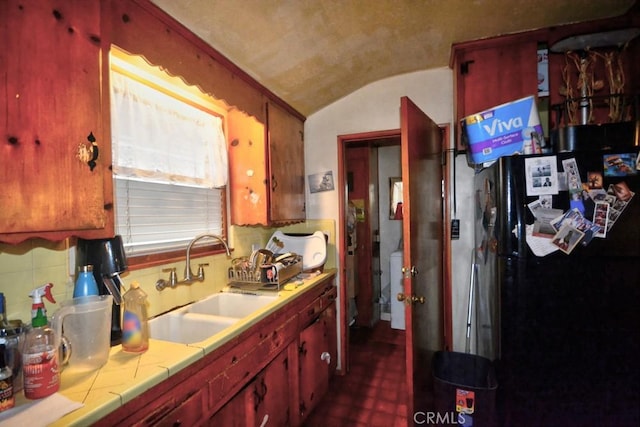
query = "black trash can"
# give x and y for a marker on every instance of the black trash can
(465, 385)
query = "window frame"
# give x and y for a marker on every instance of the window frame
(210, 104)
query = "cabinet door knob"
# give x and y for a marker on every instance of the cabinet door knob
(326, 357)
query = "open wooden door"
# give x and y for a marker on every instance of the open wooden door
(422, 230)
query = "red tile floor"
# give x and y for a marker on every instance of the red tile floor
(374, 392)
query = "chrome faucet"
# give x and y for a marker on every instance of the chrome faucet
(188, 274)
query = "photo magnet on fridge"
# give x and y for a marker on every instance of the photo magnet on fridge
(601, 217)
(619, 164)
(574, 218)
(567, 238)
(541, 175)
(594, 180)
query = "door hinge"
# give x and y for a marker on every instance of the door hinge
(464, 67)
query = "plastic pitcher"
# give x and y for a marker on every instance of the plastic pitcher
(84, 324)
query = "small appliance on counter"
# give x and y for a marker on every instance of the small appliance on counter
(108, 259)
(312, 247)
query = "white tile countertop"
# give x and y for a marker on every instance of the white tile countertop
(126, 375)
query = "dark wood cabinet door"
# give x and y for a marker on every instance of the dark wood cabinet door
(232, 414)
(314, 371)
(493, 73)
(51, 114)
(330, 322)
(266, 168)
(269, 395)
(286, 166)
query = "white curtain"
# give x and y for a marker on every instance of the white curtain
(162, 139)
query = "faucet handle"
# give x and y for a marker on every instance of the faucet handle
(201, 270)
(173, 277)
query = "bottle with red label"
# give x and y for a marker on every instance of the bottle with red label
(7, 399)
(41, 374)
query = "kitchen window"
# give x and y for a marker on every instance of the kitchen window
(169, 161)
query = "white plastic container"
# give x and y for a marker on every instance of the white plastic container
(85, 324)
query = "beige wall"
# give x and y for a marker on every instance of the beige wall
(36, 262)
(377, 107)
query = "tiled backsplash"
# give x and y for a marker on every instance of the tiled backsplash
(28, 265)
(35, 262)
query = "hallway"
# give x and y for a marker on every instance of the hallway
(374, 392)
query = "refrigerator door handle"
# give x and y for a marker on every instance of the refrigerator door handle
(472, 285)
(514, 189)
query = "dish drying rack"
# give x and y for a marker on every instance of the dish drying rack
(249, 279)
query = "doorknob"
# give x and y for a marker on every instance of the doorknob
(410, 271)
(410, 300)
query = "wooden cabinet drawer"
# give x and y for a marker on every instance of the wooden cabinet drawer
(174, 411)
(310, 312)
(328, 297)
(188, 413)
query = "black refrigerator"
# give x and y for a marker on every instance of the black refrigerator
(563, 328)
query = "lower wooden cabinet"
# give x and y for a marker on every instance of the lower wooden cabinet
(317, 356)
(314, 369)
(272, 374)
(231, 414)
(188, 413)
(268, 395)
(263, 402)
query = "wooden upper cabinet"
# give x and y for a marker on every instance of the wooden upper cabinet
(286, 165)
(51, 118)
(491, 72)
(266, 168)
(247, 147)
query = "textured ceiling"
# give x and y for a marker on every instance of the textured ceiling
(313, 52)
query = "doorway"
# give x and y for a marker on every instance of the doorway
(373, 234)
(359, 205)
(423, 149)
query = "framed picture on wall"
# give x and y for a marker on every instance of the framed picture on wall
(321, 182)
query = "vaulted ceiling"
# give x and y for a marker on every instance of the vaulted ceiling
(313, 52)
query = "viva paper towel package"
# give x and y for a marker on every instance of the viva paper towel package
(503, 130)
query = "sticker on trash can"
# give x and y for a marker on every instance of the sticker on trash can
(465, 401)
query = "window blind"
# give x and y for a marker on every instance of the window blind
(153, 217)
